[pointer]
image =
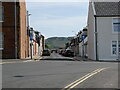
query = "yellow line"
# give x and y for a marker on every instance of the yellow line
(85, 79)
(79, 79)
(75, 83)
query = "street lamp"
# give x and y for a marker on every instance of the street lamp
(28, 15)
(28, 23)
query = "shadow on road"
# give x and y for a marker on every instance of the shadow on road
(58, 59)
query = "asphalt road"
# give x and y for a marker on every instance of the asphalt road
(59, 72)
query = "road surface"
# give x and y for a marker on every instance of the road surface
(60, 72)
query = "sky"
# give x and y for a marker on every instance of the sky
(58, 19)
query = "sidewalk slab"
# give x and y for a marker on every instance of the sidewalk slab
(37, 57)
(78, 58)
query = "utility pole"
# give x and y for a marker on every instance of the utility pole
(29, 32)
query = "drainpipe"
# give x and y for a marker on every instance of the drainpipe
(96, 38)
(15, 30)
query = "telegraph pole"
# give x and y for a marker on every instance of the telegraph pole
(28, 30)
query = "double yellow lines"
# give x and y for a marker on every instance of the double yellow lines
(77, 82)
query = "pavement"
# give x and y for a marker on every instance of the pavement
(78, 58)
(28, 59)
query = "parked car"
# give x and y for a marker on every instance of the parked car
(69, 53)
(46, 52)
(54, 50)
(61, 51)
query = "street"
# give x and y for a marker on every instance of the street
(56, 71)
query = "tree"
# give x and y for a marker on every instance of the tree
(47, 46)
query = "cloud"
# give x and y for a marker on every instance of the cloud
(57, 9)
(49, 5)
(66, 22)
(58, 19)
(57, 0)
(60, 27)
(70, 0)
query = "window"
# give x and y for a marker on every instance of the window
(114, 47)
(116, 24)
(1, 14)
(119, 48)
(1, 40)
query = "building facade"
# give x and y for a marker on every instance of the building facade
(36, 43)
(103, 31)
(79, 43)
(14, 30)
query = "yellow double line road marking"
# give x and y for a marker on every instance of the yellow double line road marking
(77, 82)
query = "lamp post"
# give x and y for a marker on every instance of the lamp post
(28, 15)
(28, 31)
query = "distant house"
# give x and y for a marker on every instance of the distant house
(79, 43)
(13, 33)
(103, 31)
(42, 45)
(36, 42)
(83, 43)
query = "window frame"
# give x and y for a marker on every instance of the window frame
(114, 47)
(113, 23)
(117, 48)
(2, 13)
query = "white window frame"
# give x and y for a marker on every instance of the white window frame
(117, 48)
(113, 24)
(112, 48)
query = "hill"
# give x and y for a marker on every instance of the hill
(57, 42)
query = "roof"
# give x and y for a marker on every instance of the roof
(107, 8)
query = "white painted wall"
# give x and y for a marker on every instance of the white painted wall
(40, 48)
(80, 49)
(105, 37)
(91, 37)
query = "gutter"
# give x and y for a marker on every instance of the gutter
(15, 11)
(96, 38)
(96, 33)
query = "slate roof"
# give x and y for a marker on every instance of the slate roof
(107, 8)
